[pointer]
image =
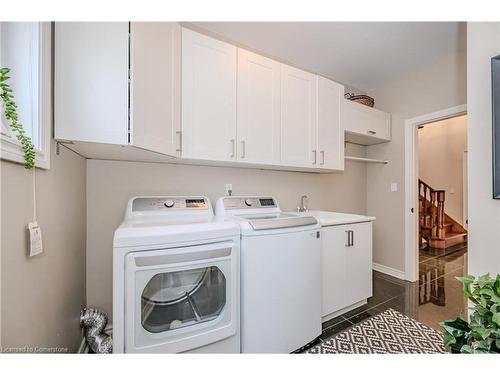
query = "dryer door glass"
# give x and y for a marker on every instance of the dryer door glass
(178, 299)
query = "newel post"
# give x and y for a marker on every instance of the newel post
(440, 213)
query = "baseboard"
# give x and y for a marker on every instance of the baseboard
(343, 311)
(389, 271)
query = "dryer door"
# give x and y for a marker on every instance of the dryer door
(181, 298)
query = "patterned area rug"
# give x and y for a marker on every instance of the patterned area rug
(387, 333)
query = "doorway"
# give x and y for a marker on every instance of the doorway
(412, 243)
(436, 217)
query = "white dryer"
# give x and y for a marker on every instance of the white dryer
(175, 278)
(280, 274)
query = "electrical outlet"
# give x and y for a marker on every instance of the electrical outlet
(229, 189)
(394, 186)
(35, 239)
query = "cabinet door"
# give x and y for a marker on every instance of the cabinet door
(298, 118)
(359, 262)
(333, 269)
(91, 82)
(330, 133)
(208, 98)
(366, 125)
(155, 86)
(259, 115)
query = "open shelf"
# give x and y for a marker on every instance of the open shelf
(366, 160)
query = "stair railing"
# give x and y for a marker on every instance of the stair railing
(432, 206)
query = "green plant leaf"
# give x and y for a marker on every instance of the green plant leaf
(449, 341)
(496, 318)
(484, 280)
(467, 282)
(11, 115)
(483, 333)
(496, 285)
(466, 349)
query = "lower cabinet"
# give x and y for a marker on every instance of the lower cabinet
(346, 266)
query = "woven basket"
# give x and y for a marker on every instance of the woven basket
(362, 99)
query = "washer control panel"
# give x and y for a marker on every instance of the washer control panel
(235, 203)
(168, 203)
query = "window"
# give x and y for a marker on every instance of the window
(25, 48)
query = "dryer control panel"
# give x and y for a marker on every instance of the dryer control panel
(169, 203)
(238, 203)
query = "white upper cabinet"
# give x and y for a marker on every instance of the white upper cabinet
(259, 117)
(153, 91)
(91, 82)
(93, 62)
(330, 132)
(208, 98)
(155, 86)
(298, 118)
(365, 125)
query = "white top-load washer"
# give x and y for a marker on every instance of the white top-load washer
(280, 275)
(175, 278)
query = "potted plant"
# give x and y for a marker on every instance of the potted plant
(482, 333)
(9, 108)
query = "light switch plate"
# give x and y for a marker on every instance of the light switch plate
(394, 186)
(229, 189)
(35, 239)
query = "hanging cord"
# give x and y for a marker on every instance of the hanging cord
(34, 195)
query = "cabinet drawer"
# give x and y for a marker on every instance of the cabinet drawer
(365, 125)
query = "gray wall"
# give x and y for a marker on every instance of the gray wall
(42, 296)
(111, 183)
(441, 147)
(440, 85)
(483, 41)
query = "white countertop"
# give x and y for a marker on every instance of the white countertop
(328, 218)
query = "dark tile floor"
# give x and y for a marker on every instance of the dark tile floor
(437, 295)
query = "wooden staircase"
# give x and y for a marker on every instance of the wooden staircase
(438, 229)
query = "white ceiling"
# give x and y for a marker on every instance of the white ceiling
(359, 54)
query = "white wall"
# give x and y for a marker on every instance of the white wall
(441, 147)
(440, 85)
(111, 183)
(42, 296)
(483, 42)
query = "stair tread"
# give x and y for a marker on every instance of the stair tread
(450, 235)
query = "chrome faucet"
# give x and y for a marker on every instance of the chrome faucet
(303, 204)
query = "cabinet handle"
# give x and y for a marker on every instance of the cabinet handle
(350, 238)
(180, 140)
(233, 144)
(371, 132)
(322, 154)
(243, 151)
(315, 156)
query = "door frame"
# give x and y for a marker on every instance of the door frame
(411, 183)
(465, 190)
